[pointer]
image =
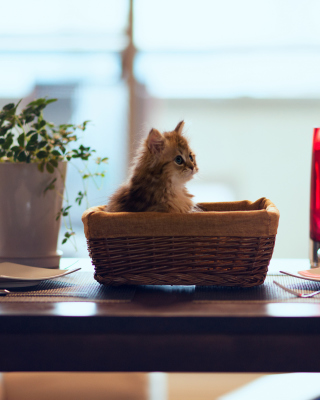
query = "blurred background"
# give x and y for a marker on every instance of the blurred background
(243, 75)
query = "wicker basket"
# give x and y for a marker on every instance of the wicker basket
(230, 244)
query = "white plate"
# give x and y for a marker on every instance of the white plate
(17, 284)
(313, 273)
(17, 275)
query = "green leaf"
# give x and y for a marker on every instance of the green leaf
(42, 144)
(64, 212)
(65, 126)
(41, 107)
(50, 186)
(34, 103)
(41, 124)
(80, 197)
(22, 156)
(67, 236)
(31, 146)
(54, 163)
(2, 153)
(29, 118)
(7, 144)
(27, 111)
(55, 153)
(59, 214)
(42, 154)
(100, 160)
(8, 107)
(21, 139)
(50, 168)
(37, 102)
(51, 101)
(41, 167)
(33, 138)
(31, 132)
(43, 133)
(3, 131)
(85, 123)
(9, 113)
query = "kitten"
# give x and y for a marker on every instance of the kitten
(157, 183)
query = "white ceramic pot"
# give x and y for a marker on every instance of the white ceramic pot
(28, 227)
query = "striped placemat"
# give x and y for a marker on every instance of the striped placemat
(79, 286)
(266, 293)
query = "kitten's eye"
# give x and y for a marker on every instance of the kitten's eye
(178, 160)
(191, 158)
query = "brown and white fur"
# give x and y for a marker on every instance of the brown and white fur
(157, 183)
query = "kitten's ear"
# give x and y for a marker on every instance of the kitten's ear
(155, 141)
(179, 127)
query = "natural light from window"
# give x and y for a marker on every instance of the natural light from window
(225, 49)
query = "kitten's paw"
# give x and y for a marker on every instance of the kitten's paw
(198, 208)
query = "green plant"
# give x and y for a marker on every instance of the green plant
(28, 138)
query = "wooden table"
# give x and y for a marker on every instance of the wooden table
(161, 329)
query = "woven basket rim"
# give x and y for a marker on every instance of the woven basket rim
(242, 218)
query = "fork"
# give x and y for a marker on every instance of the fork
(302, 295)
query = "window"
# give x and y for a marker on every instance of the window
(244, 76)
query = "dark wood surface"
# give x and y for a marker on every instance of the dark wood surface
(161, 329)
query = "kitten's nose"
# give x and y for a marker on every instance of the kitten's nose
(191, 167)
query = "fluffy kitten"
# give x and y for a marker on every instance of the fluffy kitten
(157, 183)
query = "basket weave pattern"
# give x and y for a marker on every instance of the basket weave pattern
(227, 261)
(230, 245)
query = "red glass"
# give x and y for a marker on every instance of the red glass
(315, 188)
